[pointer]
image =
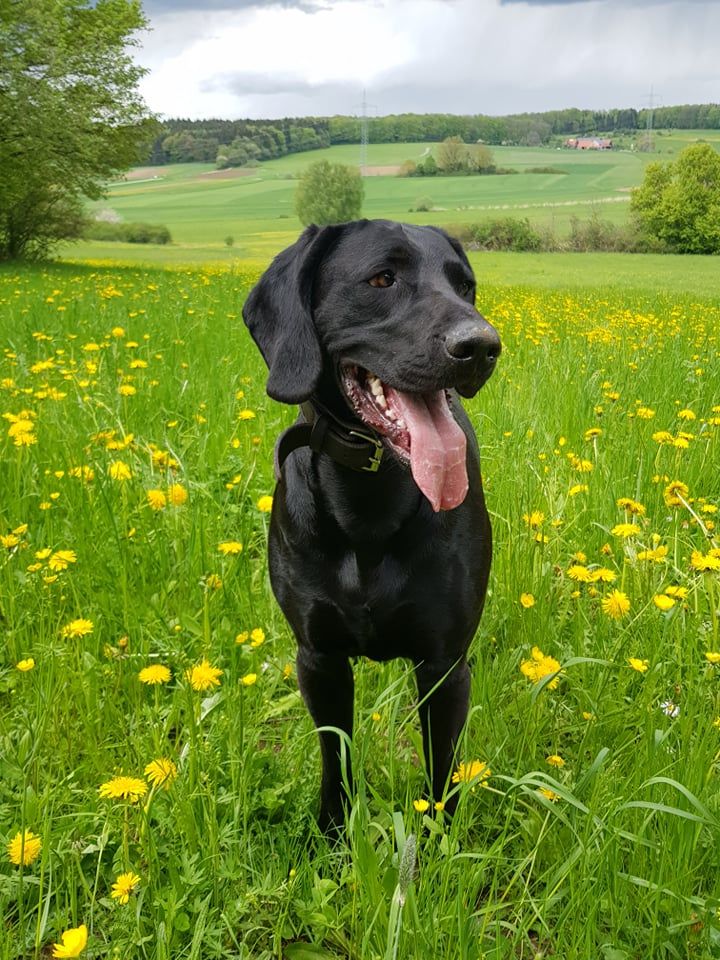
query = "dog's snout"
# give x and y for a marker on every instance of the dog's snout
(473, 343)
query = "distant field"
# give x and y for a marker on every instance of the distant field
(202, 206)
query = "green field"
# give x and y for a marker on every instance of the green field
(202, 206)
(135, 463)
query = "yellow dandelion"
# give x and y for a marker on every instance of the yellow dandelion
(641, 666)
(230, 548)
(242, 637)
(61, 559)
(124, 886)
(161, 772)
(155, 674)
(549, 794)
(656, 554)
(78, 628)
(246, 415)
(616, 604)
(477, 771)
(203, 676)
(177, 495)
(24, 666)
(127, 390)
(712, 657)
(539, 666)
(625, 530)
(24, 848)
(578, 488)
(123, 788)
(680, 593)
(257, 637)
(602, 575)
(421, 805)
(120, 471)
(249, 679)
(527, 600)
(555, 760)
(686, 414)
(579, 573)
(663, 602)
(535, 519)
(73, 943)
(156, 499)
(265, 503)
(676, 493)
(704, 562)
(213, 581)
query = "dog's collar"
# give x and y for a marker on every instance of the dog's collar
(324, 433)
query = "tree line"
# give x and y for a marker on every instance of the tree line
(231, 143)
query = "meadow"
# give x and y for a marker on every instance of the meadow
(158, 771)
(203, 206)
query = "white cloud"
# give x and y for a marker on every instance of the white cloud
(426, 55)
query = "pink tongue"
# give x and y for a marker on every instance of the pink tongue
(437, 447)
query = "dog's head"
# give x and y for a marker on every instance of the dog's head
(385, 312)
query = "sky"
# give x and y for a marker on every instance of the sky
(282, 58)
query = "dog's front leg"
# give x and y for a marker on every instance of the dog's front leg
(327, 687)
(444, 692)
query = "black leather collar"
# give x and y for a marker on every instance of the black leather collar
(324, 433)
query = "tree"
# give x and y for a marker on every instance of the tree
(452, 155)
(329, 193)
(679, 202)
(70, 114)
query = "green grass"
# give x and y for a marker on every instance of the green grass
(202, 207)
(617, 859)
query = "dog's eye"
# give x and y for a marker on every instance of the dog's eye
(464, 288)
(384, 279)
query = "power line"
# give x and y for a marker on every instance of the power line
(364, 131)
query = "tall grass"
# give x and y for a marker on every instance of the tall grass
(596, 832)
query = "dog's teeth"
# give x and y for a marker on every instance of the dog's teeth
(381, 401)
(390, 414)
(376, 387)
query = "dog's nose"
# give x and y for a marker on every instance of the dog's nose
(473, 343)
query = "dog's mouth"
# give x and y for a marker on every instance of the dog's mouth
(419, 429)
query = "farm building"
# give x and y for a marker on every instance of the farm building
(589, 143)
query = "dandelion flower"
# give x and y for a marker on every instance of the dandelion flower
(123, 788)
(549, 794)
(475, 771)
(680, 593)
(124, 886)
(120, 471)
(264, 504)
(156, 499)
(527, 600)
(625, 530)
(203, 676)
(73, 943)
(154, 674)
(540, 666)
(421, 805)
(230, 548)
(704, 562)
(555, 760)
(579, 573)
(603, 574)
(641, 666)
(161, 772)
(78, 628)
(246, 415)
(257, 637)
(675, 493)
(535, 519)
(24, 848)
(25, 665)
(663, 602)
(656, 555)
(249, 679)
(616, 604)
(177, 495)
(61, 559)
(712, 657)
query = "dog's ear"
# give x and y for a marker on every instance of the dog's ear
(278, 314)
(456, 245)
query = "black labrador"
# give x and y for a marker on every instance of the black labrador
(380, 541)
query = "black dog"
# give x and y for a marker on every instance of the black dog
(380, 540)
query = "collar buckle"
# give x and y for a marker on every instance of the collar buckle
(375, 458)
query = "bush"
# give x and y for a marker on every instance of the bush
(329, 193)
(423, 205)
(505, 233)
(127, 232)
